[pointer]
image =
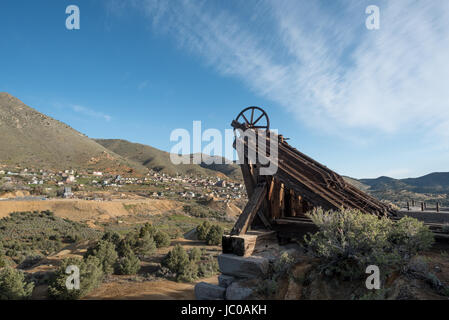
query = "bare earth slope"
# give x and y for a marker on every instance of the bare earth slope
(83, 210)
(30, 138)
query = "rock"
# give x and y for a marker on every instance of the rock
(243, 267)
(207, 291)
(294, 290)
(225, 280)
(191, 235)
(300, 270)
(239, 290)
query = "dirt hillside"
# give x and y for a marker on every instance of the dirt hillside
(83, 210)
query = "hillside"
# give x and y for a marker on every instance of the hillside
(32, 139)
(437, 182)
(159, 160)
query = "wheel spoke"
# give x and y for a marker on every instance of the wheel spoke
(252, 115)
(258, 119)
(247, 122)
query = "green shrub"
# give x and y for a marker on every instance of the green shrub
(202, 230)
(128, 264)
(148, 228)
(91, 275)
(13, 285)
(146, 245)
(281, 268)
(195, 254)
(282, 265)
(124, 248)
(4, 261)
(411, 236)
(189, 273)
(178, 262)
(30, 261)
(214, 235)
(162, 239)
(348, 241)
(208, 266)
(32, 233)
(105, 252)
(113, 237)
(176, 259)
(202, 211)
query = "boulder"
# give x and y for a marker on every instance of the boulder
(239, 290)
(243, 267)
(207, 291)
(225, 280)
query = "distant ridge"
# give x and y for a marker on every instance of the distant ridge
(437, 182)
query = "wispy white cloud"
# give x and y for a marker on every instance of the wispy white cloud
(326, 67)
(90, 113)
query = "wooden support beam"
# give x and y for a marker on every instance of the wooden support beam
(248, 179)
(252, 207)
(245, 245)
(263, 218)
(282, 199)
(275, 202)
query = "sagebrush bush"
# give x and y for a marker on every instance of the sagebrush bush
(195, 254)
(281, 268)
(13, 285)
(4, 261)
(105, 252)
(31, 233)
(202, 211)
(348, 241)
(91, 275)
(208, 266)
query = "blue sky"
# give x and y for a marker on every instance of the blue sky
(363, 102)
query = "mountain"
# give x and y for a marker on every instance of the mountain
(437, 182)
(32, 139)
(434, 182)
(159, 160)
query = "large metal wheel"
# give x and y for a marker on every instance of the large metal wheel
(254, 118)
